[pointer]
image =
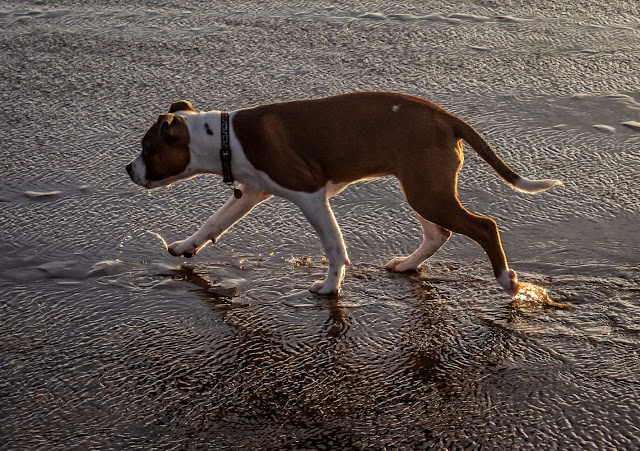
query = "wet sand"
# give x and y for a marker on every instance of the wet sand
(109, 342)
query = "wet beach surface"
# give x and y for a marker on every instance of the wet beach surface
(109, 342)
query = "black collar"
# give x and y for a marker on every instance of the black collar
(225, 154)
(225, 148)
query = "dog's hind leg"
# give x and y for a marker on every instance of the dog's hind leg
(438, 203)
(434, 237)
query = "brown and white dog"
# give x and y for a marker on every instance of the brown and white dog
(307, 151)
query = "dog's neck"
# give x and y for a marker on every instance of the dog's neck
(205, 131)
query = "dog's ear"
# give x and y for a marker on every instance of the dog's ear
(164, 120)
(181, 105)
(171, 126)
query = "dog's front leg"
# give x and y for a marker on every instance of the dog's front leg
(219, 222)
(316, 209)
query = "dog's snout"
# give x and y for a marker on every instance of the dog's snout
(129, 169)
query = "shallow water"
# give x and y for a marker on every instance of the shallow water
(109, 342)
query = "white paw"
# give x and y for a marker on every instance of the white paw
(324, 287)
(509, 281)
(186, 248)
(400, 264)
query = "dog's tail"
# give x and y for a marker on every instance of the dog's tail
(486, 152)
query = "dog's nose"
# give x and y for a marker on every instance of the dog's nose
(129, 169)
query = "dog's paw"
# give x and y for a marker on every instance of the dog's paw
(400, 264)
(184, 248)
(509, 281)
(324, 288)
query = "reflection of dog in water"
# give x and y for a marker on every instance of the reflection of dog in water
(224, 291)
(206, 288)
(307, 151)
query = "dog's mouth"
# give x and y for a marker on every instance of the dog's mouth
(134, 173)
(137, 181)
(138, 172)
(153, 185)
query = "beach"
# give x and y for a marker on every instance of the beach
(109, 342)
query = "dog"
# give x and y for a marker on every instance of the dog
(309, 150)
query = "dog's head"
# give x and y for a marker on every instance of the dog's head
(165, 155)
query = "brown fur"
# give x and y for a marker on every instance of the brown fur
(165, 147)
(350, 137)
(306, 144)
(181, 105)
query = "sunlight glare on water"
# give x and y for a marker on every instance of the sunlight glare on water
(531, 297)
(164, 242)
